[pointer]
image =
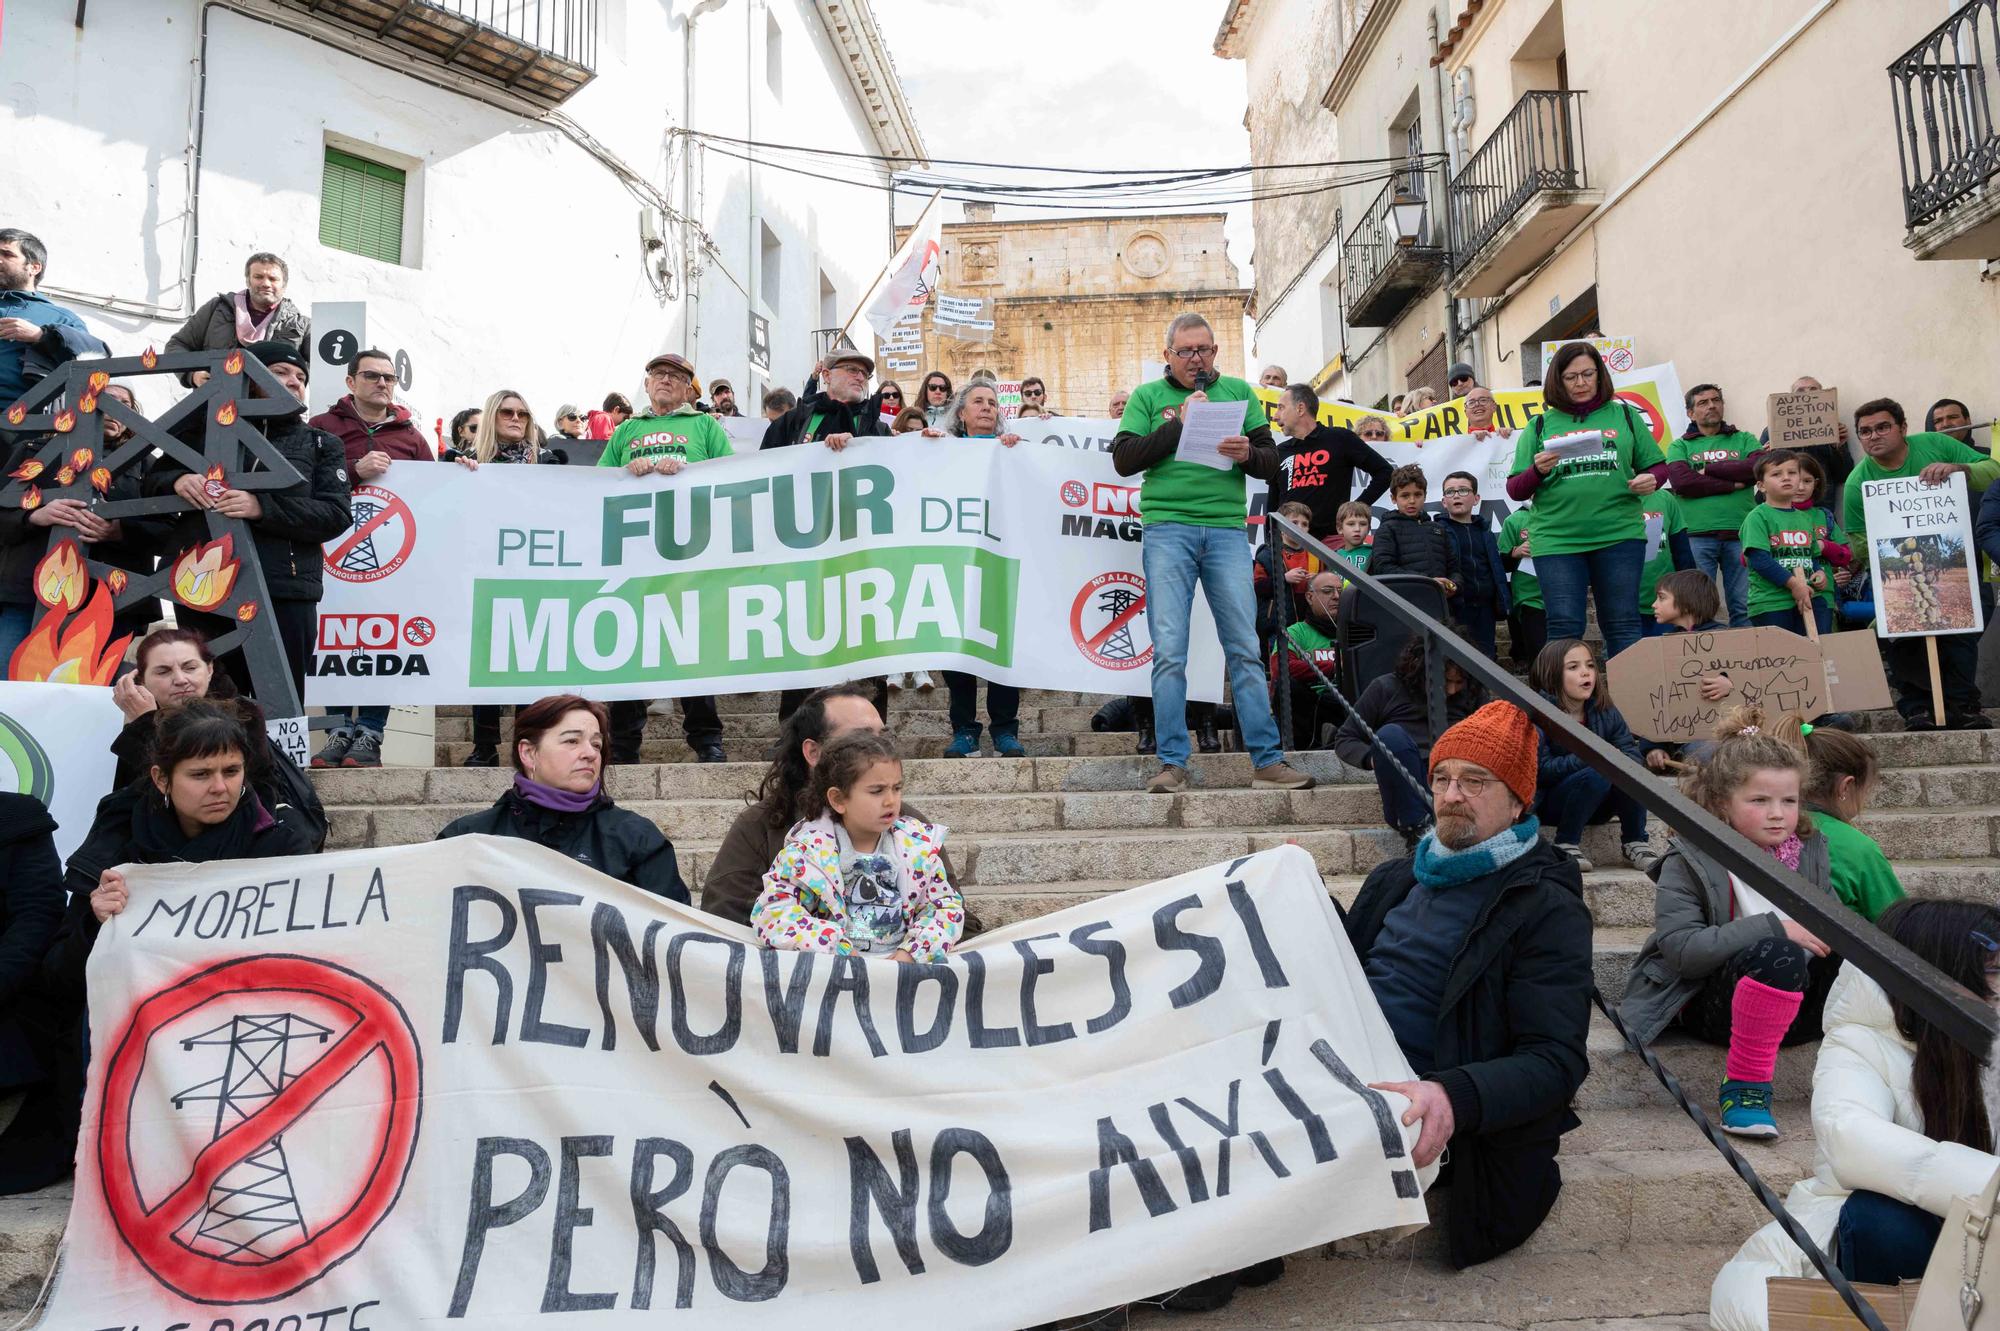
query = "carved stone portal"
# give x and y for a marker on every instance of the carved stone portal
(1145, 254)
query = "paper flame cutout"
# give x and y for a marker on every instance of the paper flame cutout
(61, 578)
(149, 358)
(100, 477)
(204, 575)
(79, 652)
(99, 381)
(80, 460)
(31, 498)
(233, 363)
(65, 422)
(246, 612)
(16, 414)
(28, 470)
(65, 476)
(117, 581)
(214, 473)
(226, 414)
(87, 403)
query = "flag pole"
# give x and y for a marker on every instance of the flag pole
(868, 295)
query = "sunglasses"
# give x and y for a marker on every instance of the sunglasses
(892, 397)
(511, 414)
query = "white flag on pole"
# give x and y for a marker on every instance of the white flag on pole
(912, 274)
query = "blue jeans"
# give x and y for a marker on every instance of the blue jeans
(1478, 625)
(1610, 576)
(1881, 1240)
(1401, 806)
(1713, 555)
(16, 622)
(1583, 799)
(1176, 555)
(374, 720)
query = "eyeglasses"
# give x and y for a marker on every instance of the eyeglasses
(1874, 431)
(376, 376)
(1190, 353)
(511, 413)
(1459, 493)
(1583, 376)
(1472, 787)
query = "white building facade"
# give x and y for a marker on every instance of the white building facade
(505, 183)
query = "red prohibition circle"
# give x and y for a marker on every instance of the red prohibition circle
(149, 1230)
(1092, 645)
(418, 631)
(393, 506)
(1654, 421)
(1075, 494)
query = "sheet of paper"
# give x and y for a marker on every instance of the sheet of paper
(1749, 901)
(1656, 535)
(1204, 425)
(1526, 566)
(1582, 444)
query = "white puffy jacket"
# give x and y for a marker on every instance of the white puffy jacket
(1869, 1137)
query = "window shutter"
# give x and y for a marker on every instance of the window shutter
(361, 207)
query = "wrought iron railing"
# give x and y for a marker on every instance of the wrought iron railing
(1942, 89)
(1368, 250)
(1539, 146)
(566, 29)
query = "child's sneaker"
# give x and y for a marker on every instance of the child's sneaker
(1746, 1109)
(921, 681)
(1575, 852)
(1641, 855)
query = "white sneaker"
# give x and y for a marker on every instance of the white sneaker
(922, 680)
(897, 683)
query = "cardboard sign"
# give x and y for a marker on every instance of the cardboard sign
(1618, 352)
(1656, 682)
(1920, 557)
(1804, 420)
(294, 736)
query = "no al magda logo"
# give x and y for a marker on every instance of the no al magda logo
(380, 541)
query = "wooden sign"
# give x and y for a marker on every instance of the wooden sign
(1656, 682)
(1804, 420)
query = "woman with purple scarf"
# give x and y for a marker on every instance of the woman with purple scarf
(558, 799)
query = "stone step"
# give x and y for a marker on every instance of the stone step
(672, 749)
(1620, 1079)
(907, 722)
(766, 703)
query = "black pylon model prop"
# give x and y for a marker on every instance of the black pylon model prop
(71, 640)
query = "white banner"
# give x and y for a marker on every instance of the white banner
(477, 1084)
(785, 568)
(55, 744)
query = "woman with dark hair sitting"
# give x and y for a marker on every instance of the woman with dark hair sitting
(194, 805)
(736, 875)
(174, 666)
(558, 799)
(1396, 707)
(1901, 1117)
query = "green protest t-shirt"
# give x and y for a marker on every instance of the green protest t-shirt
(1792, 536)
(1826, 529)
(1715, 512)
(1583, 504)
(1663, 509)
(1358, 557)
(1176, 491)
(687, 434)
(1524, 587)
(1926, 447)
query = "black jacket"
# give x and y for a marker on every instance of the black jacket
(1386, 703)
(1484, 580)
(31, 890)
(285, 790)
(213, 328)
(1511, 1037)
(1418, 545)
(795, 426)
(1318, 471)
(297, 520)
(22, 543)
(611, 840)
(132, 827)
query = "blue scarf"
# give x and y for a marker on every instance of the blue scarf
(1436, 866)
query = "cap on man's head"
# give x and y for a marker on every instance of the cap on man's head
(1459, 371)
(849, 356)
(275, 352)
(720, 385)
(1500, 738)
(668, 360)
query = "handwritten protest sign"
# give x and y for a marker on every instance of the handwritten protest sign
(1803, 420)
(1656, 682)
(1617, 351)
(1920, 557)
(478, 1084)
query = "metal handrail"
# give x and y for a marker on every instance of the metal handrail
(1366, 250)
(1944, 81)
(1537, 146)
(565, 29)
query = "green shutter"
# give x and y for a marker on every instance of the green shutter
(361, 207)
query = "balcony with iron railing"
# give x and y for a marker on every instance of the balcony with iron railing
(1397, 251)
(1521, 193)
(1949, 146)
(540, 50)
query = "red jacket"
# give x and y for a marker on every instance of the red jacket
(396, 436)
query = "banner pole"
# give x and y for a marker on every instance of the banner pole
(866, 296)
(1937, 684)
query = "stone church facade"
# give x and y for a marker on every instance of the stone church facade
(1082, 302)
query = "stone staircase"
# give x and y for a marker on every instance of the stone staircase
(1649, 1210)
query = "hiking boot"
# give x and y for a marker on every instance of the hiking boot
(1280, 775)
(336, 748)
(1746, 1109)
(1168, 780)
(365, 751)
(964, 744)
(1968, 721)
(1205, 737)
(1267, 1272)
(1146, 741)
(1575, 852)
(482, 755)
(1006, 743)
(709, 751)
(1641, 856)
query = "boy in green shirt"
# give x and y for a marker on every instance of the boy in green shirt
(1528, 620)
(1356, 522)
(665, 440)
(1892, 452)
(1790, 550)
(1194, 516)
